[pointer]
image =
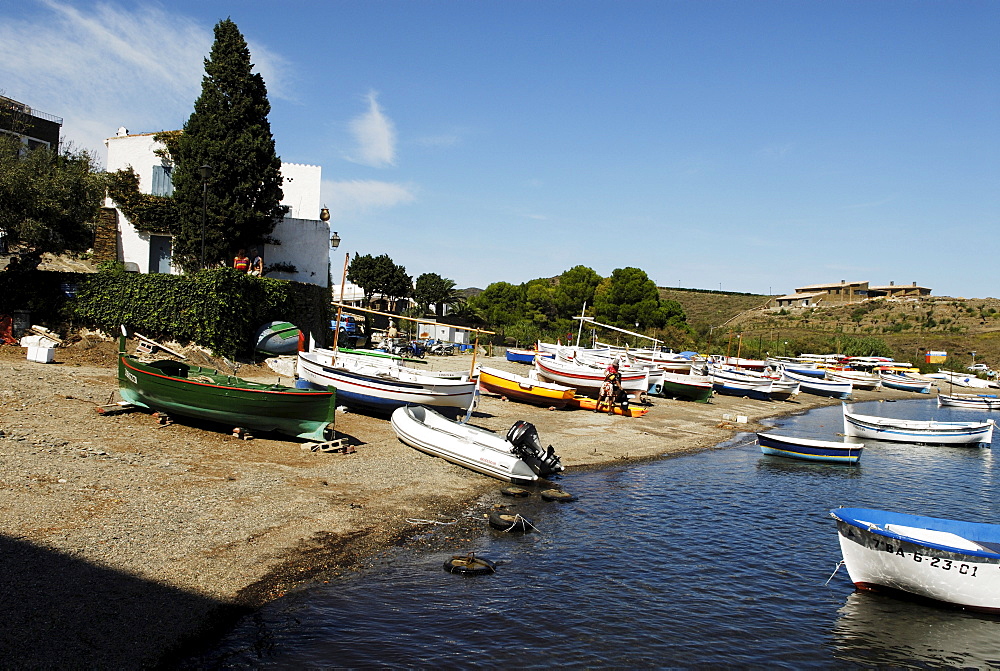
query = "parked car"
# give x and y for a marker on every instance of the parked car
(351, 330)
(978, 367)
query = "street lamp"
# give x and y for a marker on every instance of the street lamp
(324, 216)
(206, 173)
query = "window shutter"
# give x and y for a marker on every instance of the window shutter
(163, 184)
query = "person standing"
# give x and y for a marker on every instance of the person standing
(241, 262)
(257, 266)
(610, 389)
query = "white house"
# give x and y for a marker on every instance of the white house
(304, 238)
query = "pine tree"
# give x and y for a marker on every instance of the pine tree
(228, 131)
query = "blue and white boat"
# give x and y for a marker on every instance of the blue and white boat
(954, 562)
(809, 449)
(735, 383)
(904, 383)
(928, 432)
(382, 389)
(973, 401)
(813, 385)
(524, 355)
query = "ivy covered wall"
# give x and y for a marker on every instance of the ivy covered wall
(219, 309)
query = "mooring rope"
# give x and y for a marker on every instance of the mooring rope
(417, 520)
(517, 518)
(839, 564)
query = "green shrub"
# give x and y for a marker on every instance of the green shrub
(219, 309)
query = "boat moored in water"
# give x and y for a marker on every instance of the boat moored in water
(808, 449)
(926, 432)
(973, 401)
(954, 562)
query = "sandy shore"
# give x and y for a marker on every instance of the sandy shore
(126, 543)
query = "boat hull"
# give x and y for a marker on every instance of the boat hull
(914, 555)
(523, 355)
(521, 388)
(818, 387)
(974, 401)
(809, 450)
(927, 433)
(586, 377)
(380, 392)
(203, 393)
(900, 383)
(586, 403)
(277, 338)
(463, 444)
(689, 389)
(743, 391)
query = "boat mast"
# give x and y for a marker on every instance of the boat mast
(340, 309)
(579, 330)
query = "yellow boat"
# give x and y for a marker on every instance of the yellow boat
(518, 387)
(584, 403)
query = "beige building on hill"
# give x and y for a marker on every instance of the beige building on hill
(846, 292)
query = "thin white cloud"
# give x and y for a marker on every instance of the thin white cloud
(375, 136)
(358, 196)
(110, 65)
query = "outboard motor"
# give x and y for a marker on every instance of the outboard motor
(524, 438)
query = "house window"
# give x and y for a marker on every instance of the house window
(163, 183)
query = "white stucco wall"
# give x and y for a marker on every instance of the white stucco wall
(301, 187)
(305, 244)
(305, 241)
(136, 151)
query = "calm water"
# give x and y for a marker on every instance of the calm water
(719, 558)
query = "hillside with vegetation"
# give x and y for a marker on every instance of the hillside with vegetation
(908, 328)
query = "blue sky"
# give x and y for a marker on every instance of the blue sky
(748, 146)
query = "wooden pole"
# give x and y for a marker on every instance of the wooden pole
(340, 307)
(475, 350)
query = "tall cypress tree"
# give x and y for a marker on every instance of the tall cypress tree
(229, 131)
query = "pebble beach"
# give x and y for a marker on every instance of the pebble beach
(128, 543)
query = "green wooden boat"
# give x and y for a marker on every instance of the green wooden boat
(205, 393)
(687, 387)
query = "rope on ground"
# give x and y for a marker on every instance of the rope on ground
(417, 520)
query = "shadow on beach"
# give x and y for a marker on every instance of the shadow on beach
(62, 612)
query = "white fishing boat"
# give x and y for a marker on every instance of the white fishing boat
(583, 377)
(946, 560)
(927, 432)
(859, 379)
(809, 449)
(517, 457)
(740, 383)
(814, 385)
(904, 383)
(783, 389)
(375, 387)
(973, 401)
(963, 380)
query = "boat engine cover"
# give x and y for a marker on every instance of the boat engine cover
(526, 445)
(523, 435)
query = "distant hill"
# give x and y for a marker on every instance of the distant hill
(707, 308)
